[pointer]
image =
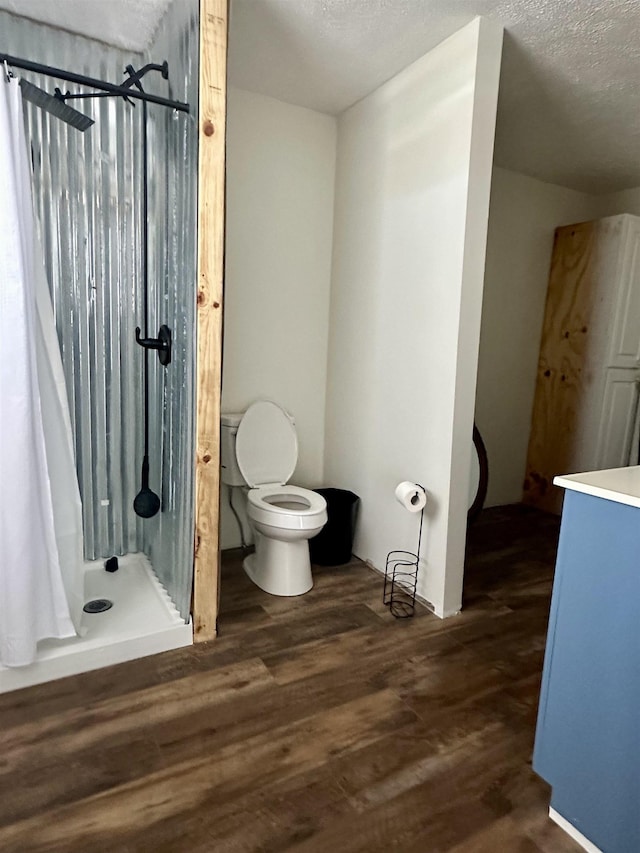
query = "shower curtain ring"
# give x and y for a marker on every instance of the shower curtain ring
(8, 73)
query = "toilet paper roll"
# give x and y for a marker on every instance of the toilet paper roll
(411, 496)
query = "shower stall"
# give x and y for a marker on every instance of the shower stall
(103, 239)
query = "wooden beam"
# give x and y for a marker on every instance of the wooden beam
(211, 172)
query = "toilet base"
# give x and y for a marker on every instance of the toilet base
(280, 568)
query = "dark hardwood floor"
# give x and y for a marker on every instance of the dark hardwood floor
(312, 724)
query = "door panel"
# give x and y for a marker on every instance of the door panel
(618, 421)
(624, 350)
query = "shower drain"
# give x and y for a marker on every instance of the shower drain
(98, 605)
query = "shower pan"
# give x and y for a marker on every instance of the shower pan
(121, 260)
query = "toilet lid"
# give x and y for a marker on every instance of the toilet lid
(266, 445)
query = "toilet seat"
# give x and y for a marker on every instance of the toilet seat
(267, 453)
(266, 445)
(304, 509)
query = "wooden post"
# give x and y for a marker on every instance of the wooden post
(211, 169)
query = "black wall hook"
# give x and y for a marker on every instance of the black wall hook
(162, 344)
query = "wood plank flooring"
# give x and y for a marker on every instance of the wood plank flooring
(314, 724)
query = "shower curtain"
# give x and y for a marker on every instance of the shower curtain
(41, 566)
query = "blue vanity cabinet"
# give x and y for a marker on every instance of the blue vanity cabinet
(588, 734)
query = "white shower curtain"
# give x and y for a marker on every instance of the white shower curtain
(41, 566)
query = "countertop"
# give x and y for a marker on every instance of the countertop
(615, 484)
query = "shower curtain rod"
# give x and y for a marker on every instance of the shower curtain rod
(81, 80)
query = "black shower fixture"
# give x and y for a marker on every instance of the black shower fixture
(104, 88)
(55, 105)
(162, 344)
(132, 80)
(146, 503)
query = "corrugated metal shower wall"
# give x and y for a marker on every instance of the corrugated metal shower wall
(173, 169)
(88, 199)
(86, 188)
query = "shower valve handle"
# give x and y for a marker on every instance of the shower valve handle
(162, 344)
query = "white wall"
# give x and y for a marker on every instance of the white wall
(412, 196)
(523, 215)
(625, 201)
(280, 182)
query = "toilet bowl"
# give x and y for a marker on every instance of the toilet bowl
(283, 517)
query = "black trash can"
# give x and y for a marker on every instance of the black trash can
(334, 544)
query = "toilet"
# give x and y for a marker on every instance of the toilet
(259, 449)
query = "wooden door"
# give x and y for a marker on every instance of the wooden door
(579, 314)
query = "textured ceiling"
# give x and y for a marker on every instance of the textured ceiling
(569, 102)
(129, 24)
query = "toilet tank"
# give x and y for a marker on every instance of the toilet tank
(229, 470)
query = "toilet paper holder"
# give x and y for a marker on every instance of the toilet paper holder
(401, 577)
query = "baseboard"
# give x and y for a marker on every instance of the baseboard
(570, 829)
(424, 601)
(445, 614)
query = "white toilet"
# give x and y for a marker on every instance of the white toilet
(259, 449)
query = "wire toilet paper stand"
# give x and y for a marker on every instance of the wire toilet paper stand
(401, 577)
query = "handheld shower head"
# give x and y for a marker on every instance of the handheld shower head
(55, 106)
